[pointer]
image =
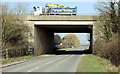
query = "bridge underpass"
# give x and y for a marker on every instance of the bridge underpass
(44, 28)
(44, 36)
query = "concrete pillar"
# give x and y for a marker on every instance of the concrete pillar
(91, 41)
(43, 40)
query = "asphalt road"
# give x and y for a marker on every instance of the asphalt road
(81, 48)
(53, 63)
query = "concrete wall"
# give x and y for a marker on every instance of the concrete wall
(43, 40)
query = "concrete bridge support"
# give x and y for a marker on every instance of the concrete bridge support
(46, 26)
(43, 40)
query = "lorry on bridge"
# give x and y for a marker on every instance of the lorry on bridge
(55, 9)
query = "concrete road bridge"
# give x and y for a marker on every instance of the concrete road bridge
(43, 28)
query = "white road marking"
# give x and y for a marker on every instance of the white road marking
(53, 61)
(17, 70)
(60, 62)
(33, 69)
(44, 64)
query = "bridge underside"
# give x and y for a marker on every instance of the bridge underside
(44, 37)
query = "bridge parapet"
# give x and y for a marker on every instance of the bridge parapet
(59, 18)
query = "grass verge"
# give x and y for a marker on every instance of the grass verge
(92, 63)
(69, 48)
(65, 49)
(23, 58)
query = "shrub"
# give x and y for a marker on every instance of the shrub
(108, 50)
(97, 47)
(111, 52)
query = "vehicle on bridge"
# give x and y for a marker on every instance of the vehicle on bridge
(65, 11)
(55, 9)
(37, 10)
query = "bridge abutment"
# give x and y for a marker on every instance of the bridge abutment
(43, 40)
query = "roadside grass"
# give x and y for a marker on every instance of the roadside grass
(23, 58)
(86, 48)
(65, 49)
(68, 48)
(92, 63)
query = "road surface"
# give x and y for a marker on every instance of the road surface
(81, 48)
(53, 63)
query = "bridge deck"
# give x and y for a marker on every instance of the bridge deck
(59, 18)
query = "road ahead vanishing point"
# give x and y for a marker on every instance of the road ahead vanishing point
(53, 63)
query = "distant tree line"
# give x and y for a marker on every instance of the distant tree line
(68, 41)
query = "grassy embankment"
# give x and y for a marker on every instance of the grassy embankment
(92, 63)
(23, 58)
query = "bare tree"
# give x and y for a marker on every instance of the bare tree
(108, 19)
(5, 8)
(21, 9)
(108, 28)
(0, 29)
(71, 40)
(119, 14)
(14, 32)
